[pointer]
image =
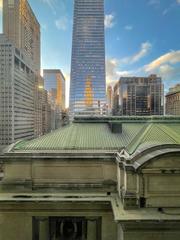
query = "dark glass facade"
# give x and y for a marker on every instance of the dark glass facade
(87, 88)
(139, 96)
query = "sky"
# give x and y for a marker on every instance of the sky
(142, 37)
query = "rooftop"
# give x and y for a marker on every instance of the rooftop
(174, 90)
(95, 133)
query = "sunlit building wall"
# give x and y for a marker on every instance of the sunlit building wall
(54, 80)
(39, 87)
(139, 96)
(42, 109)
(109, 99)
(173, 101)
(22, 28)
(87, 86)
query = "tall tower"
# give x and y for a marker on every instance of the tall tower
(20, 73)
(88, 58)
(22, 29)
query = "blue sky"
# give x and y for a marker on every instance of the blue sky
(142, 37)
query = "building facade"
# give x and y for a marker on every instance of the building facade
(139, 96)
(55, 84)
(120, 181)
(87, 85)
(173, 101)
(109, 99)
(42, 109)
(22, 28)
(17, 92)
(22, 32)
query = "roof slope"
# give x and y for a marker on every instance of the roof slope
(93, 136)
(98, 136)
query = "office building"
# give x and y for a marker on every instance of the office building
(42, 109)
(99, 178)
(139, 96)
(28, 111)
(54, 83)
(87, 84)
(109, 99)
(22, 28)
(46, 113)
(39, 87)
(17, 92)
(173, 101)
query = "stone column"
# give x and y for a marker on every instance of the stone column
(91, 229)
(120, 235)
(44, 229)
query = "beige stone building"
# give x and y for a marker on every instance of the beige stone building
(17, 94)
(22, 28)
(99, 178)
(21, 68)
(173, 101)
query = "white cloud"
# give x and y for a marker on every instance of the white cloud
(167, 66)
(144, 50)
(171, 58)
(113, 65)
(154, 2)
(62, 23)
(109, 21)
(128, 27)
(171, 7)
(168, 72)
(51, 4)
(112, 71)
(166, 11)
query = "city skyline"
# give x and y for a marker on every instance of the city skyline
(139, 38)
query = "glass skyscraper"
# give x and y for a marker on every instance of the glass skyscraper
(87, 87)
(139, 96)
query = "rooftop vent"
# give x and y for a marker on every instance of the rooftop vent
(116, 127)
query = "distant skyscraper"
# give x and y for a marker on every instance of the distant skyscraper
(42, 109)
(87, 87)
(22, 28)
(139, 96)
(54, 83)
(173, 101)
(109, 99)
(55, 86)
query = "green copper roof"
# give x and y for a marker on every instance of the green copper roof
(96, 135)
(82, 136)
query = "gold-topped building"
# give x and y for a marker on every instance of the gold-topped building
(22, 28)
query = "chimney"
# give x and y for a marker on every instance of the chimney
(116, 127)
